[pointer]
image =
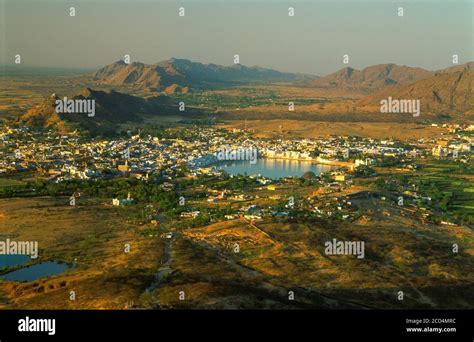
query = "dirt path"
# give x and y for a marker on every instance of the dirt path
(165, 268)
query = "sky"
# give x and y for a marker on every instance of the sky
(260, 32)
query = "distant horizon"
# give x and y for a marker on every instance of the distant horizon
(23, 69)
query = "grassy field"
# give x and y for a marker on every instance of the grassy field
(10, 183)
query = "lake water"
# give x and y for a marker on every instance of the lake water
(36, 271)
(13, 260)
(273, 168)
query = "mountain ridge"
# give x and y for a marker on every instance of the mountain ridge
(181, 75)
(372, 77)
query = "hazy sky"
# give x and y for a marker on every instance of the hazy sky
(261, 32)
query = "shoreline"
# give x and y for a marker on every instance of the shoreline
(317, 160)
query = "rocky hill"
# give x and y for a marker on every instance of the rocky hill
(372, 78)
(449, 91)
(110, 109)
(179, 75)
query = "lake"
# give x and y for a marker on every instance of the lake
(273, 168)
(13, 260)
(36, 271)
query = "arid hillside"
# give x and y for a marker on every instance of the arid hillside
(449, 91)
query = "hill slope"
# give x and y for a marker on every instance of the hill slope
(449, 91)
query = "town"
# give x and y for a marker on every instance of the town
(170, 157)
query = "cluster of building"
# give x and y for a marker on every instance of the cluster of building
(62, 157)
